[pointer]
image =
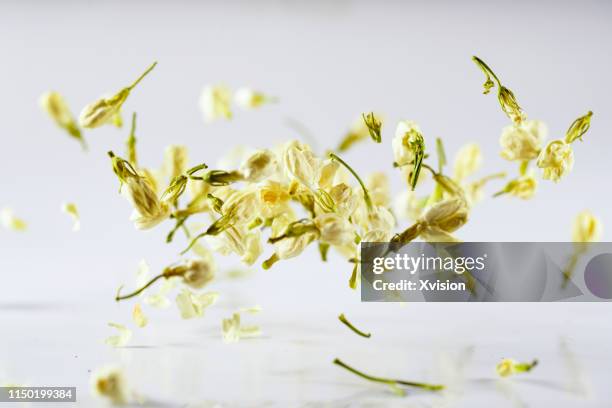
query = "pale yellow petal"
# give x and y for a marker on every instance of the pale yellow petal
(138, 316)
(72, 210)
(122, 338)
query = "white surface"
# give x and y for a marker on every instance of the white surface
(327, 63)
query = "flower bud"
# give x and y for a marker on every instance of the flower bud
(448, 215)
(301, 163)
(248, 98)
(259, 166)
(523, 187)
(556, 159)
(105, 110)
(109, 382)
(523, 142)
(407, 135)
(578, 128)
(467, 161)
(57, 108)
(334, 229)
(586, 228)
(149, 210)
(215, 103)
(175, 160)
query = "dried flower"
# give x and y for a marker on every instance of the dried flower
(366, 124)
(556, 159)
(104, 110)
(506, 98)
(523, 187)
(233, 330)
(508, 367)
(192, 304)
(138, 316)
(259, 166)
(334, 229)
(301, 163)
(57, 108)
(215, 102)
(109, 382)
(175, 160)
(406, 134)
(438, 222)
(148, 209)
(379, 188)
(10, 221)
(523, 142)
(467, 161)
(578, 128)
(195, 273)
(248, 98)
(120, 339)
(72, 210)
(586, 228)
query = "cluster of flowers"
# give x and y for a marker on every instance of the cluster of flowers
(289, 197)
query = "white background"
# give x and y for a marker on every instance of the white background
(327, 62)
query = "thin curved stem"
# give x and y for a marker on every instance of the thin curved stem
(389, 381)
(139, 291)
(144, 74)
(366, 194)
(486, 69)
(348, 324)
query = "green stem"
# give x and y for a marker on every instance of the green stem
(138, 291)
(388, 381)
(344, 320)
(366, 194)
(144, 74)
(486, 69)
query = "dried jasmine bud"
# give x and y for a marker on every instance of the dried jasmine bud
(523, 142)
(556, 159)
(586, 228)
(109, 382)
(394, 384)
(578, 128)
(437, 223)
(219, 178)
(57, 108)
(9, 221)
(506, 98)
(296, 229)
(374, 126)
(72, 210)
(104, 110)
(179, 183)
(508, 367)
(248, 98)
(195, 273)
(409, 148)
(348, 324)
(523, 187)
(215, 103)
